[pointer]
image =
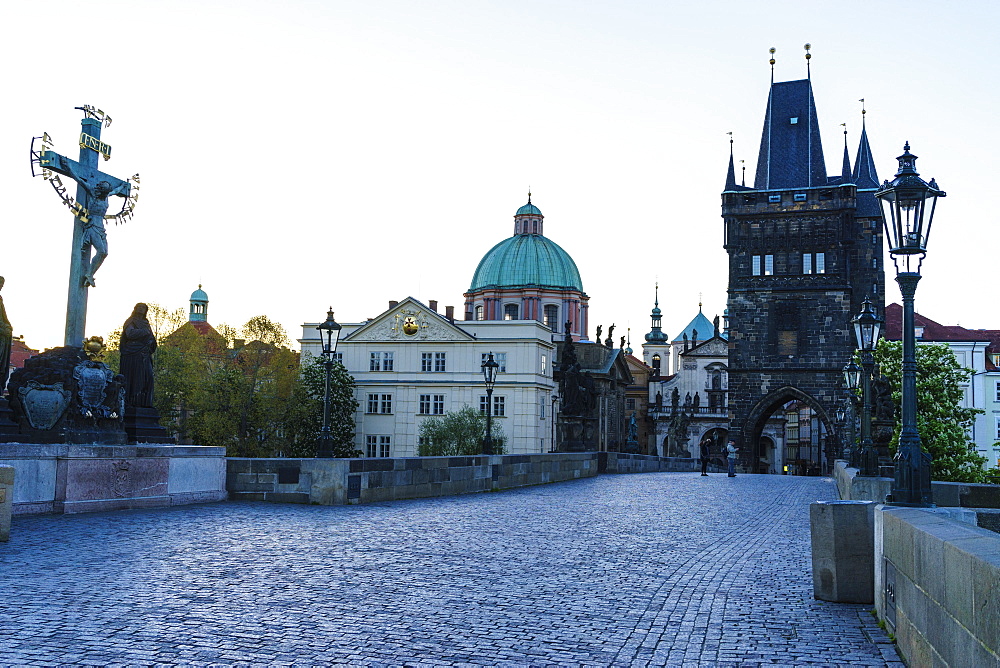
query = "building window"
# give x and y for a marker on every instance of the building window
(656, 365)
(479, 312)
(541, 408)
(499, 358)
(545, 364)
(510, 311)
(380, 361)
(437, 404)
(630, 404)
(814, 263)
(379, 403)
(762, 265)
(551, 317)
(424, 405)
(499, 406)
(378, 446)
(440, 362)
(338, 357)
(998, 428)
(426, 361)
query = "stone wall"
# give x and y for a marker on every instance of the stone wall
(350, 481)
(937, 587)
(60, 478)
(6, 500)
(980, 504)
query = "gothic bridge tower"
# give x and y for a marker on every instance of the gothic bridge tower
(805, 249)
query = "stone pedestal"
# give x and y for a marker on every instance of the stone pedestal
(6, 501)
(142, 425)
(843, 550)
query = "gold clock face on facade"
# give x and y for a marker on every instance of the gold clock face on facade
(410, 326)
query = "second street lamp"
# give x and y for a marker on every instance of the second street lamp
(909, 203)
(329, 335)
(867, 327)
(852, 379)
(490, 368)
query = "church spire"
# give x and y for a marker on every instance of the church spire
(656, 334)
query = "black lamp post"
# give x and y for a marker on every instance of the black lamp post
(909, 202)
(867, 327)
(852, 379)
(329, 335)
(490, 368)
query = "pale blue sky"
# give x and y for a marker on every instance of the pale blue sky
(391, 142)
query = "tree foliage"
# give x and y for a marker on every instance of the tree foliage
(944, 424)
(252, 398)
(458, 433)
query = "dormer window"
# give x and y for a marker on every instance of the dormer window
(918, 332)
(794, 120)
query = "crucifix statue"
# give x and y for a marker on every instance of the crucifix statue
(93, 188)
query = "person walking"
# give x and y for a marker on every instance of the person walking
(704, 456)
(731, 457)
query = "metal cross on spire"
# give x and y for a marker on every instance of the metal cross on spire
(93, 188)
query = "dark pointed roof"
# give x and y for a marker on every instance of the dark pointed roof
(864, 165)
(791, 153)
(866, 179)
(845, 170)
(731, 174)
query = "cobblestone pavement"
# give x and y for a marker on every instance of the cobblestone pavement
(631, 570)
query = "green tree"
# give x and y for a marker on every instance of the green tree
(942, 421)
(304, 410)
(458, 433)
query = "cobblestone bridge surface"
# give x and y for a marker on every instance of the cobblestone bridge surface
(631, 570)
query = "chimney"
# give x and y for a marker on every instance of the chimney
(433, 303)
(449, 312)
(393, 303)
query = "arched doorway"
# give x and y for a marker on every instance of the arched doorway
(789, 432)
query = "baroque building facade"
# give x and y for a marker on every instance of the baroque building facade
(805, 249)
(411, 363)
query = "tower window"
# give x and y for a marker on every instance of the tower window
(479, 312)
(510, 311)
(762, 265)
(774, 199)
(814, 263)
(794, 120)
(656, 365)
(799, 197)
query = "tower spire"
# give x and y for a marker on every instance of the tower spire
(808, 58)
(731, 174)
(845, 170)
(864, 174)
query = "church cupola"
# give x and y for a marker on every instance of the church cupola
(199, 306)
(656, 334)
(528, 219)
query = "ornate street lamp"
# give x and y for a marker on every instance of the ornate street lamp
(908, 204)
(490, 368)
(329, 335)
(852, 380)
(867, 327)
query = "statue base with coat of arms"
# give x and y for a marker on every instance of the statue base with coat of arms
(65, 396)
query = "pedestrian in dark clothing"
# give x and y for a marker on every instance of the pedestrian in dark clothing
(704, 456)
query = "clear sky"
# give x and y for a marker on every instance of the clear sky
(298, 155)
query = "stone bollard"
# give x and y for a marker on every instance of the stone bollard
(6, 501)
(843, 550)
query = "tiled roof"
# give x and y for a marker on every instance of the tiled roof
(936, 332)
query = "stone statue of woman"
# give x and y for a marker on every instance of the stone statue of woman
(6, 337)
(137, 347)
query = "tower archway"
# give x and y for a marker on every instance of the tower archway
(788, 430)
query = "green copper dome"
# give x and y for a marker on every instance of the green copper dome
(527, 259)
(528, 209)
